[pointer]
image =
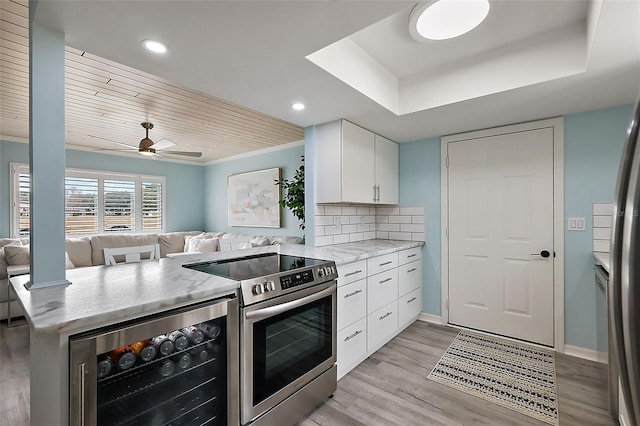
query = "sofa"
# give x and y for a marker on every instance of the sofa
(88, 251)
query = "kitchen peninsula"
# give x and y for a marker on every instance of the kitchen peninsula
(103, 296)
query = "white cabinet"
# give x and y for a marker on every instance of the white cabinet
(354, 165)
(377, 299)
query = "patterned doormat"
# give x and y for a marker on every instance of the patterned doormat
(514, 375)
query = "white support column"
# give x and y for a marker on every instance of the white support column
(46, 153)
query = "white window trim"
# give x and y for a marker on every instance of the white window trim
(17, 168)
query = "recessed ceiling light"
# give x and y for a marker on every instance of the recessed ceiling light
(154, 46)
(445, 19)
(298, 106)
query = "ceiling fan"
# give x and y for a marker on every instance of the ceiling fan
(148, 147)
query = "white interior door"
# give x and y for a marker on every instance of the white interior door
(500, 192)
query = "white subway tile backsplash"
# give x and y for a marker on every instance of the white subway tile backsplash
(602, 245)
(363, 211)
(324, 220)
(358, 236)
(363, 227)
(319, 210)
(409, 227)
(602, 234)
(319, 231)
(371, 235)
(369, 219)
(417, 236)
(603, 209)
(340, 239)
(383, 235)
(382, 219)
(411, 211)
(390, 227)
(332, 210)
(602, 221)
(347, 229)
(388, 211)
(417, 219)
(324, 241)
(349, 211)
(354, 220)
(404, 236)
(332, 230)
(399, 219)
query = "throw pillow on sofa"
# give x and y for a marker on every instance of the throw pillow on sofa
(200, 244)
(21, 255)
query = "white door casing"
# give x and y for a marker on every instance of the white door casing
(499, 214)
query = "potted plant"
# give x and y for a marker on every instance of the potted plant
(293, 193)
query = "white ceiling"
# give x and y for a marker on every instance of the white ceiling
(253, 53)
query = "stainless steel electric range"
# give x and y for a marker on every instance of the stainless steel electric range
(287, 334)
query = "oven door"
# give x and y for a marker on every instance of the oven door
(285, 344)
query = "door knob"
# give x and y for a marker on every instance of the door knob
(543, 253)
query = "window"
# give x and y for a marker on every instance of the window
(96, 202)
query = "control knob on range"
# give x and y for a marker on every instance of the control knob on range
(258, 289)
(269, 286)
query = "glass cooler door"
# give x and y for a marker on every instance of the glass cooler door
(167, 376)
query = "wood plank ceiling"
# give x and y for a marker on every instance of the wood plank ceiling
(109, 100)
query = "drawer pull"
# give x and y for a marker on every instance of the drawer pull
(385, 315)
(346, 339)
(411, 300)
(352, 294)
(386, 263)
(387, 280)
(412, 255)
(411, 270)
(352, 273)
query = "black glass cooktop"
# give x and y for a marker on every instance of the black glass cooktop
(254, 266)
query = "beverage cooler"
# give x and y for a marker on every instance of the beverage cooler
(178, 368)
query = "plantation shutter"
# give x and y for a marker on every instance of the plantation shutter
(23, 207)
(119, 205)
(81, 205)
(151, 206)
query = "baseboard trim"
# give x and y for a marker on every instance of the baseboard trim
(589, 354)
(433, 319)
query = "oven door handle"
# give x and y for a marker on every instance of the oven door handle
(283, 307)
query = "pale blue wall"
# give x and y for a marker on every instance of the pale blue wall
(420, 186)
(593, 145)
(215, 190)
(184, 182)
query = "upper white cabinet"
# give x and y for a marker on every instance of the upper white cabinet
(354, 165)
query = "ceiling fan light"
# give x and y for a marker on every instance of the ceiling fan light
(147, 153)
(154, 46)
(445, 19)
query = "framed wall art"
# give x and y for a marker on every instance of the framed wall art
(254, 199)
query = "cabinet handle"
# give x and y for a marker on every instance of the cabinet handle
(81, 392)
(411, 270)
(385, 315)
(411, 300)
(387, 280)
(346, 339)
(378, 197)
(386, 263)
(352, 294)
(412, 255)
(374, 193)
(352, 273)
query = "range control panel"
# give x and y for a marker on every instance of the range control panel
(294, 280)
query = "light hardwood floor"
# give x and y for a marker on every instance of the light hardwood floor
(389, 388)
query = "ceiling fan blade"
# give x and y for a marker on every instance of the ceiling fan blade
(112, 141)
(116, 149)
(163, 144)
(186, 153)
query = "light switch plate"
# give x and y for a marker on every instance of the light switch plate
(577, 224)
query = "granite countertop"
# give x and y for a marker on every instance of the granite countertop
(104, 295)
(602, 259)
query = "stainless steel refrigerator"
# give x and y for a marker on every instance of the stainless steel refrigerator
(624, 279)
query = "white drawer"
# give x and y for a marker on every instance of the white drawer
(352, 346)
(409, 307)
(410, 255)
(352, 303)
(409, 277)
(381, 325)
(352, 272)
(375, 265)
(382, 289)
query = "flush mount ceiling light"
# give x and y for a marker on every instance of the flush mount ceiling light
(298, 106)
(445, 19)
(154, 46)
